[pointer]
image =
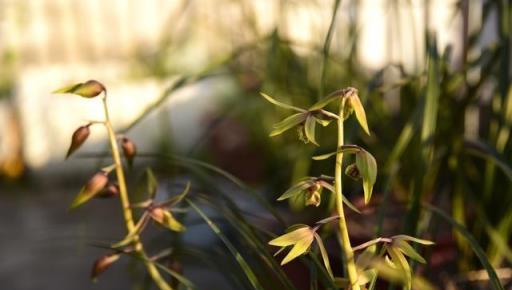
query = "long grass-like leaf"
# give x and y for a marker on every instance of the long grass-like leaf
(493, 277)
(251, 276)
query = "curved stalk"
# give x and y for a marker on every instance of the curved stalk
(125, 202)
(342, 224)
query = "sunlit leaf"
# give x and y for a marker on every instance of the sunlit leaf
(301, 247)
(281, 104)
(288, 123)
(400, 261)
(355, 103)
(368, 169)
(413, 239)
(89, 89)
(408, 250)
(288, 239)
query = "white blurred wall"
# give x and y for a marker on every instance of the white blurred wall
(64, 41)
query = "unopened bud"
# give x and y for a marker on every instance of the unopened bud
(97, 182)
(111, 190)
(129, 150)
(314, 196)
(79, 137)
(353, 172)
(92, 188)
(102, 264)
(91, 88)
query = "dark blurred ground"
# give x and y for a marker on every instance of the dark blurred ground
(47, 248)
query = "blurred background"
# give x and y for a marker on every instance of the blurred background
(184, 78)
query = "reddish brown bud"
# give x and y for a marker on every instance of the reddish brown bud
(79, 137)
(89, 89)
(93, 187)
(129, 150)
(92, 88)
(97, 182)
(102, 264)
(111, 190)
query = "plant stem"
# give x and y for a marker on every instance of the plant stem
(342, 224)
(125, 202)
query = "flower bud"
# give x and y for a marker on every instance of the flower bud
(353, 172)
(97, 182)
(314, 196)
(79, 137)
(129, 150)
(89, 89)
(111, 190)
(92, 88)
(92, 188)
(102, 264)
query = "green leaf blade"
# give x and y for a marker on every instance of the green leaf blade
(287, 124)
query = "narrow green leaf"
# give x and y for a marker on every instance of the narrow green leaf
(400, 261)
(323, 102)
(295, 190)
(251, 276)
(413, 239)
(408, 250)
(288, 123)
(280, 104)
(493, 277)
(368, 169)
(131, 235)
(343, 198)
(309, 128)
(481, 149)
(355, 102)
(178, 198)
(151, 183)
(325, 255)
(350, 149)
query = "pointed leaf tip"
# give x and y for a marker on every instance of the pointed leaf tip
(355, 103)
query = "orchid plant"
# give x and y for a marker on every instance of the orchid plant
(390, 261)
(101, 185)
